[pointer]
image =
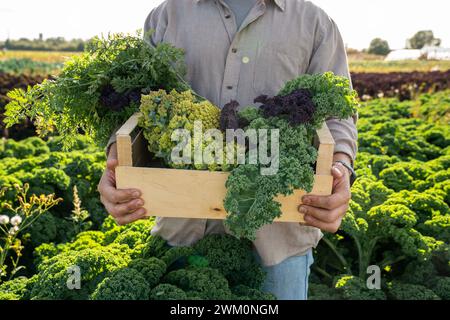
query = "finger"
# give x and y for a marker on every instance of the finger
(328, 216)
(111, 194)
(327, 202)
(111, 164)
(324, 226)
(123, 209)
(129, 218)
(338, 171)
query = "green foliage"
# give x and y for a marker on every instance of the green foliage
(165, 291)
(423, 38)
(23, 149)
(379, 47)
(113, 271)
(234, 258)
(175, 254)
(28, 66)
(406, 291)
(124, 284)
(252, 188)
(420, 272)
(155, 247)
(79, 98)
(332, 95)
(399, 213)
(14, 289)
(322, 292)
(48, 170)
(152, 269)
(208, 283)
(41, 44)
(442, 288)
(354, 288)
(250, 199)
(243, 292)
(16, 219)
(434, 108)
(94, 264)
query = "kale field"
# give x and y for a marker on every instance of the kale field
(51, 218)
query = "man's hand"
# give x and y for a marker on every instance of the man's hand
(125, 206)
(327, 212)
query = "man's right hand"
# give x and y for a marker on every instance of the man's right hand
(124, 205)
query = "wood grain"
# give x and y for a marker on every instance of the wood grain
(198, 194)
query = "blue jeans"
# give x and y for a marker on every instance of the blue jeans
(289, 279)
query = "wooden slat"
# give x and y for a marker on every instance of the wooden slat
(124, 143)
(289, 205)
(324, 135)
(129, 126)
(325, 151)
(198, 194)
(124, 155)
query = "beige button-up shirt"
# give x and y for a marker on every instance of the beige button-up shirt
(278, 41)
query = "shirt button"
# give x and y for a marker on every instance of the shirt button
(245, 60)
(234, 50)
(229, 87)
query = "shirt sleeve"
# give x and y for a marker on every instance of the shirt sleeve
(154, 29)
(156, 24)
(330, 55)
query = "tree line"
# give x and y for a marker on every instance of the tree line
(421, 39)
(41, 44)
(377, 46)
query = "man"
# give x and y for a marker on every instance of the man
(238, 50)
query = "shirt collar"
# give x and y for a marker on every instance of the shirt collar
(280, 3)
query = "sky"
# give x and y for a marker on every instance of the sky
(359, 20)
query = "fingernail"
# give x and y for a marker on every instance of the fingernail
(136, 194)
(338, 170)
(306, 200)
(303, 210)
(139, 203)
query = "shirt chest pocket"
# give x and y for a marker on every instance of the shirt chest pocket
(277, 63)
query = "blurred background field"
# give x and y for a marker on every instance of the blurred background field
(381, 66)
(39, 56)
(43, 62)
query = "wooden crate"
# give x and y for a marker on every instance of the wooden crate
(199, 194)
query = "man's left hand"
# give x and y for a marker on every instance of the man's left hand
(327, 212)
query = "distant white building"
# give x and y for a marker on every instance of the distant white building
(428, 53)
(436, 53)
(404, 54)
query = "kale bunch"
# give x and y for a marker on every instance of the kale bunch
(114, 101)
(332, 95)
(229, 116)
(164, 112)
(301, 107)
(100, 89)
(250, 198)
(297, 106)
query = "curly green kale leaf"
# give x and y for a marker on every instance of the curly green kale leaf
(123, 284)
